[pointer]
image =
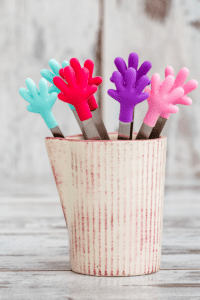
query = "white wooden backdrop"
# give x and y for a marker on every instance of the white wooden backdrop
(166, 32)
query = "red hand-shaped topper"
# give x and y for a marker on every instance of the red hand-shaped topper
(76, 91)
(75, 64)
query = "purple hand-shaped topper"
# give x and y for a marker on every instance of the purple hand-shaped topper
(128, 94)
(133, 61)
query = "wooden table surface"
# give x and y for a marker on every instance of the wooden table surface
(34, 260)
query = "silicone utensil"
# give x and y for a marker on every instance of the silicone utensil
(128, 95)
(184, 100)
(41, 102)
(161, 99)
(96, 116)
(48, 75)
(76, 92)
(133, 61)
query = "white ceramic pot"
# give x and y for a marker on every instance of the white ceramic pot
(111, 193)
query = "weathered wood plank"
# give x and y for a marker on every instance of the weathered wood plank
(30, 256)
(15, 189)
(34, 252)
(50, 251)
(32, 33)
(31, 217)
(176, 285)
(151, 28)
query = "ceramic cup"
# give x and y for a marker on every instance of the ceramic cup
(111, 193)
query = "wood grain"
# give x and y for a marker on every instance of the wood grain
(69, 285)
(47, 251)
(32, 33)
(34, 252)
(166, 33)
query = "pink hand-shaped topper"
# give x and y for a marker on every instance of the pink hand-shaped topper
(75, 64)
(161, 98)
(76, 91)
(179, 82)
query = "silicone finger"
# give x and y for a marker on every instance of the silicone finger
(181, 77)
(43, 88)
(112, 78)
(155, 83)
(121, 66)
(141, 84)
(92, 103)
(61, 73)
(167, 84)
(143, 97)
(113, 94)
(130, 78)
(133, 60)
(147, 90)
(184, 100)
(31, 108)
(96, 80)
(48, 75)
(61, 85)
(143, 70)
(118, 80)
(26, 95)
(90, 66)
(62, 97)
(83, 75)
(175, 94)
(190, 86)
(75, 64)
(70, 76)
(65, 63)
(91, 89)
(32, 87)
(169, 71)
(52, 89)
(55, 66)
(172, 109)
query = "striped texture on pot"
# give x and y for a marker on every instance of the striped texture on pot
(111, 193)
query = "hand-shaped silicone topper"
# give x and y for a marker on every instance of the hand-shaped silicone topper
(161, 98)
(179, 82)
(75, 64)
(133, 61)
(48, 75)
(41, 101)
(127, 94)
(76, 91)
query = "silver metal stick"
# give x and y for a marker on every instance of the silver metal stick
(131, 128)
(124, 131)
(144, 132)
(156, 131)
(80, 124)
(90, 130)
(57, 132)
(96, 117)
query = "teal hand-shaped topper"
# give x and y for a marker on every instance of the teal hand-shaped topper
(48, 75)
(41, 101)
